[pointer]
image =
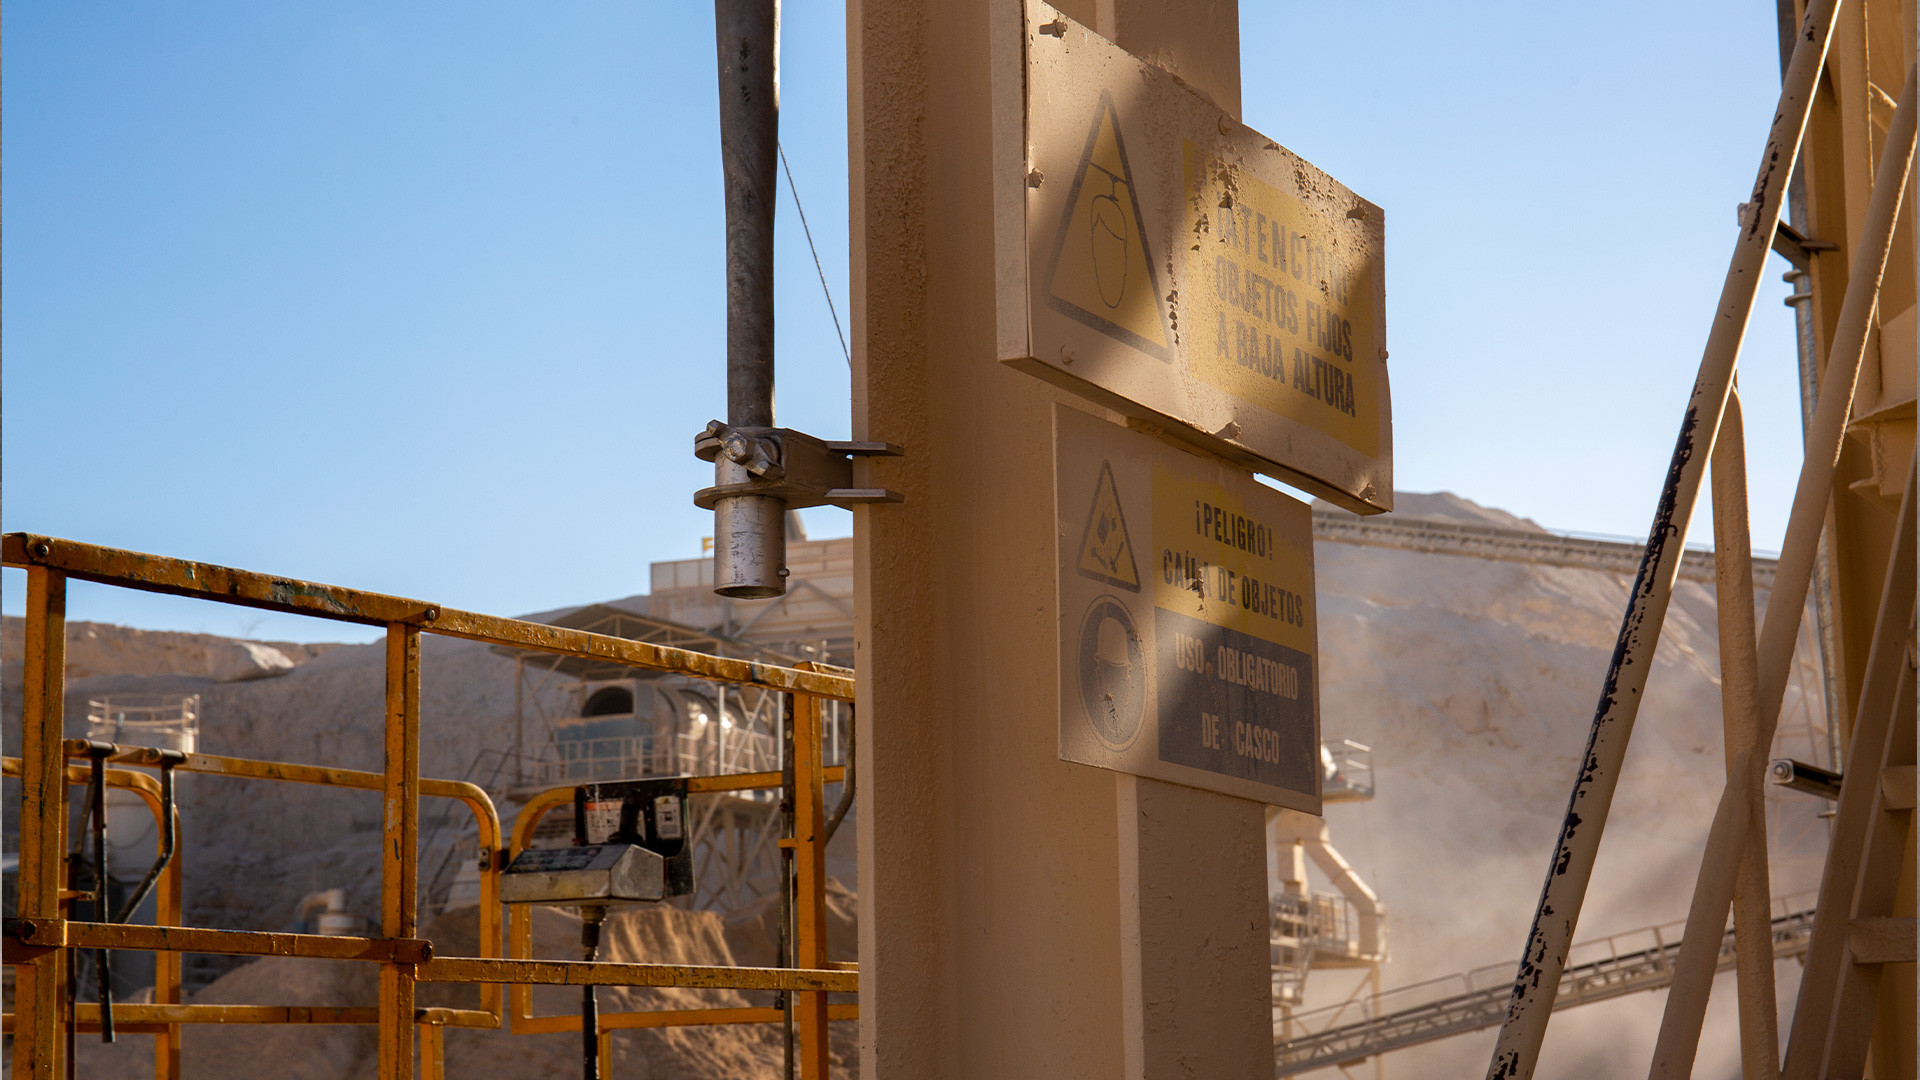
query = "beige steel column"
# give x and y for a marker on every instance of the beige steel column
(400, 847)
(1740, 714)
(995, 879)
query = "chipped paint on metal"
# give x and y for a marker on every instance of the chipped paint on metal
(1550, 935)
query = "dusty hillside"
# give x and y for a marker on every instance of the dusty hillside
(1474, 682)
(106, 649)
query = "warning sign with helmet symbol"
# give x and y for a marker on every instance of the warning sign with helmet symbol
(1187, 635)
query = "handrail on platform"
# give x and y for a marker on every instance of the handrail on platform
(41, 941)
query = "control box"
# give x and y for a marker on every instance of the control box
(630, 843)
(649, 813)
(584, 874)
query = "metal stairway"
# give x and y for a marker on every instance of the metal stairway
(1411, 1015)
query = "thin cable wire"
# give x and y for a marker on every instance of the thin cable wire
(816, 256)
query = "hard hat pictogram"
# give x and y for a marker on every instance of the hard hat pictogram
(1113, 673)
(1102, 271)
(1106, 551)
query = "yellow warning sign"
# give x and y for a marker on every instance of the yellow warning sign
(1102, 268)
(1279, 308)
(1106, 554)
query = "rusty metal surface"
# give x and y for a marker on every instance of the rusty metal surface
(433, 1051)
(163, 1016)
(252, 769)
(399, 850)
(64, 933)
(153, 573)
(809, 886)
(832, 774)
(837, 685)
(1192, 273)
(40, 987)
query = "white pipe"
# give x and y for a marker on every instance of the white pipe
(1291, 828)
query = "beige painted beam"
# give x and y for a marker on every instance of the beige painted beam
(1881, 939)
(1740, 714)
(1019, 916)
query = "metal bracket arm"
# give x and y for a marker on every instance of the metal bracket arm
(790, 465)
(1790, 245)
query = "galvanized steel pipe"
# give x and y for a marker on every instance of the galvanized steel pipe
(1544, 958)
(747, 33)
(750, 539)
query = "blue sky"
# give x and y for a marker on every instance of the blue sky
(426, 298)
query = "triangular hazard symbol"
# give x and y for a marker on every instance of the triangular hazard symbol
(1102, 271)
(1106, 554)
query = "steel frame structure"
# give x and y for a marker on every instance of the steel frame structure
(1850, 544)
(40, 943)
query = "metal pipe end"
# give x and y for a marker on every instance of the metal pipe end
(750, 547)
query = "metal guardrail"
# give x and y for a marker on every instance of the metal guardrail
(45, 936)
(1622, 964)
(1346, 771)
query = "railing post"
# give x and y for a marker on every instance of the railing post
(40, 987)
(433, 1051)
(400, 841)
(166, 970)
(810, 881)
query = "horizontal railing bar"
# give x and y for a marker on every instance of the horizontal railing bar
(138, 937)
(290, 772)
(146, 1017)
(222, 584)
(253, 769)
(659, 1018)
(89, 1013)
(832, 774)
(589, 973)
(80, 776)
(207, 581)
(567, 642)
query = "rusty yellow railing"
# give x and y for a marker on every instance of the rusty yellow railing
(40, 942)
